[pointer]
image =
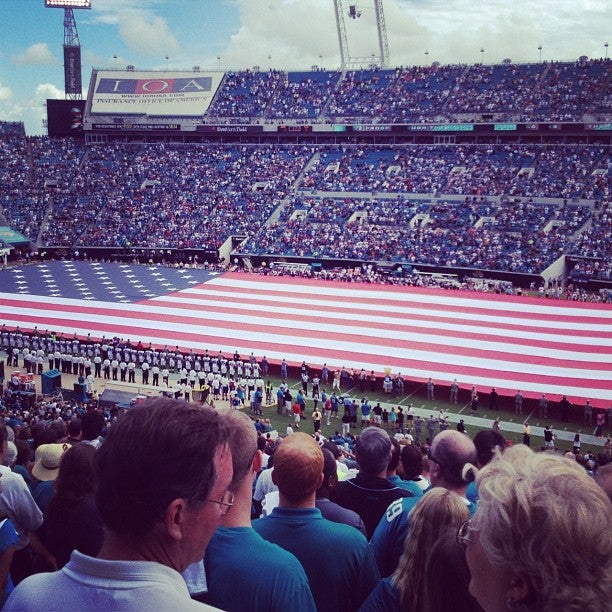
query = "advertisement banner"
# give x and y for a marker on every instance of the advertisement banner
(72, 70)
(185, 94)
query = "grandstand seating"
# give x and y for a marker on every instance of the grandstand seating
(455, 205)
(353, 202)
(530, 92)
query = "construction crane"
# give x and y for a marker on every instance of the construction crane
(354, 12)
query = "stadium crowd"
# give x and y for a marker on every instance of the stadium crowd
(170, 196)
(385, 495)
(548, 91)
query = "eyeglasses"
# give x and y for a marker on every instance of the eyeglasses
(464, 532)
(225, 503)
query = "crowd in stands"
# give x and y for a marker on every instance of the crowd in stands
(302, 95)
(195, 197)
(553, 172)
(172, 196)
(554, 91)
(245, 94)
(511, 236)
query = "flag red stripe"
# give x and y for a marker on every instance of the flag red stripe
(270, 330)
(339, 304)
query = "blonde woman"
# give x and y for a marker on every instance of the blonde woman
(437, 511)
(541, 540)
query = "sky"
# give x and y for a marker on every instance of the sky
(283, 34)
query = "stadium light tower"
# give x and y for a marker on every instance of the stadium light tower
(355, 12)
(72, 46)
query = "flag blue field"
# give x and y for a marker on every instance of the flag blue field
(106, 282)
(508, 342)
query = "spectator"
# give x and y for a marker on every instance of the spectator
(487, 443)
(244, 571)
(451, 459)
(369, 493)
(23, 462)
(163, 473)
(75, 433)
(45, 471)
(92, 425)
(330, 510)
(446, 565)
(526, 547)
(17, 504)
(440, 509)
(342, 572)
(8, 539)
(411, 469)
(71, 519)
(392, 468)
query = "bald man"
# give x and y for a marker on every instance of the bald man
(336, 557)
(450, 452)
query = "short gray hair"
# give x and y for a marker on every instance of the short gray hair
(373, 450)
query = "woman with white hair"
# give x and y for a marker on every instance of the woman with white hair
(541, 538)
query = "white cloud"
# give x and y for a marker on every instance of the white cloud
(107, 11)
(47, 90)
(6, 93)
(296, 32)
(33, 110)
(147, 33)
(38, 54)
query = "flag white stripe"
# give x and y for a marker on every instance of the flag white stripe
(448, 302)
(197, 320)
(300, 320)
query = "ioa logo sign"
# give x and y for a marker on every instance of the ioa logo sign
(154, 86)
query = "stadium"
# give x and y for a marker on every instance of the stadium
(396, 227)
(331, 176)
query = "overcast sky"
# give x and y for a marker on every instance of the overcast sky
(285, 34)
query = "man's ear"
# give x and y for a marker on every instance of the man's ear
(320, 481)
(175, 519)
(257, 462)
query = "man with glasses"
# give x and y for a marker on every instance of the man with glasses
(164, 471)
(244, 571)
(452, 458)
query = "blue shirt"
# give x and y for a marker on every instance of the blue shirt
(407, 485)
(384, 598)
(387, 543)
(337, 559)
(246, 572)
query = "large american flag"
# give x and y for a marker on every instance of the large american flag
(507, 342)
